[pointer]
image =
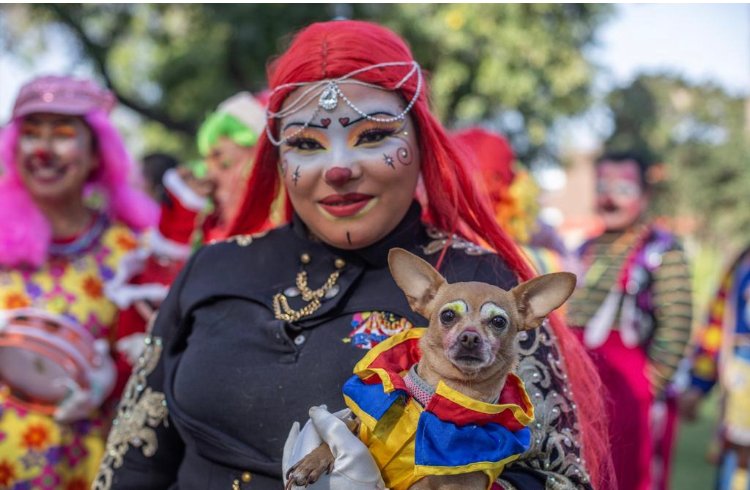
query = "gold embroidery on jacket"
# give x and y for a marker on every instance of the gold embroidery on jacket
(441, 239)
(141, 410)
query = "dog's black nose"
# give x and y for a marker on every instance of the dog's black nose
(469, 340)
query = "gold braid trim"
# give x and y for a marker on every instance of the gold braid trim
(141, 410)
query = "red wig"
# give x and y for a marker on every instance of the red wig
(336, 48)
(492, 153)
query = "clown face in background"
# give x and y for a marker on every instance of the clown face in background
(227, 140)
(56, 156)
(621, 197)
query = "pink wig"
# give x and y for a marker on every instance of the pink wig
(26, 233)
(328, 50)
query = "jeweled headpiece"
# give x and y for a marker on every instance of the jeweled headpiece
(329, 93)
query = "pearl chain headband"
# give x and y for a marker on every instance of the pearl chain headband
(328, 94)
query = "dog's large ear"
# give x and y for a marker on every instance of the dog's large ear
(418, 280)
(538, 297)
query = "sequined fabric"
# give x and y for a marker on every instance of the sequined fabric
(555, 434)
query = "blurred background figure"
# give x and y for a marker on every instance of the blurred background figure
(722, 354)
(199, 201)
(154, 166)
(57, 253)
(513, 196)
(226, 140)
(633, 308)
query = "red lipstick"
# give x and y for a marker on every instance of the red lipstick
(345, 205)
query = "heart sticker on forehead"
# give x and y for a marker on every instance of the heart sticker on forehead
(344, 121)
(325, 122)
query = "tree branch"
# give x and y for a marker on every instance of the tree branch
(98, 54)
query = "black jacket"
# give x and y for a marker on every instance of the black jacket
(234, 378)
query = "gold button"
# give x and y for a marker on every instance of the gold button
(339, 263)
(305, 258)
(246, 477)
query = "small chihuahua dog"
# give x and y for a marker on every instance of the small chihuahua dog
(470, 344)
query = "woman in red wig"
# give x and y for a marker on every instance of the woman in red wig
(261, 327)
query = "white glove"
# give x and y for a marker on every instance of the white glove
(132, 347)
(353, 468)
(80, 403)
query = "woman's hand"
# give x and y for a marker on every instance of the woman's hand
(688, 404)
(80, 402)
(132, 346)
(353, 466)
(200, 186)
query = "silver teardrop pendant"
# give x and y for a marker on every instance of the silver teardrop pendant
(329, 99)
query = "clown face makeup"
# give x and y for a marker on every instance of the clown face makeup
(229, 166)
(620, 197)
(55, 156)
(350, 179)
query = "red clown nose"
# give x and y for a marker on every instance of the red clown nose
(338, 176)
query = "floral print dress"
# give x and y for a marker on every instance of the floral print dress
(36, 452)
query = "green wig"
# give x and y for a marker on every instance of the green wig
(220, 124)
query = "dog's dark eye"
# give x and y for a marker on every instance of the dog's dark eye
(447, 317)
(499, 322)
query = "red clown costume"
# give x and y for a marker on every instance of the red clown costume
(187, 220)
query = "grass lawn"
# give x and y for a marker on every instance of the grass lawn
(690, 470)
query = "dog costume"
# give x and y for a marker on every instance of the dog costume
(413, 434)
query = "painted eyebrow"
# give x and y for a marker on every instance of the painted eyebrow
(355, 121)
(309, 125)
(456, 305)
(490, 308)
(372, 114)
(292, 124)
(57, 121)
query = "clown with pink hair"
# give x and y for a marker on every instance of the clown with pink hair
(71, 209)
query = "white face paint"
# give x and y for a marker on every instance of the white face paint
(55, 156)
(620, 197)
(350, 180)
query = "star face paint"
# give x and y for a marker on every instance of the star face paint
(229, 166)
(345, 191)
(620, 197)
(55, 156)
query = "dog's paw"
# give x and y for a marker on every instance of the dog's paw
(310, 468)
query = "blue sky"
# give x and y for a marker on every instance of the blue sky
(702, 41)
(706, 42)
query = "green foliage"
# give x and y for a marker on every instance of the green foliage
(699, 133)
(514, 67)
(490, 61)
